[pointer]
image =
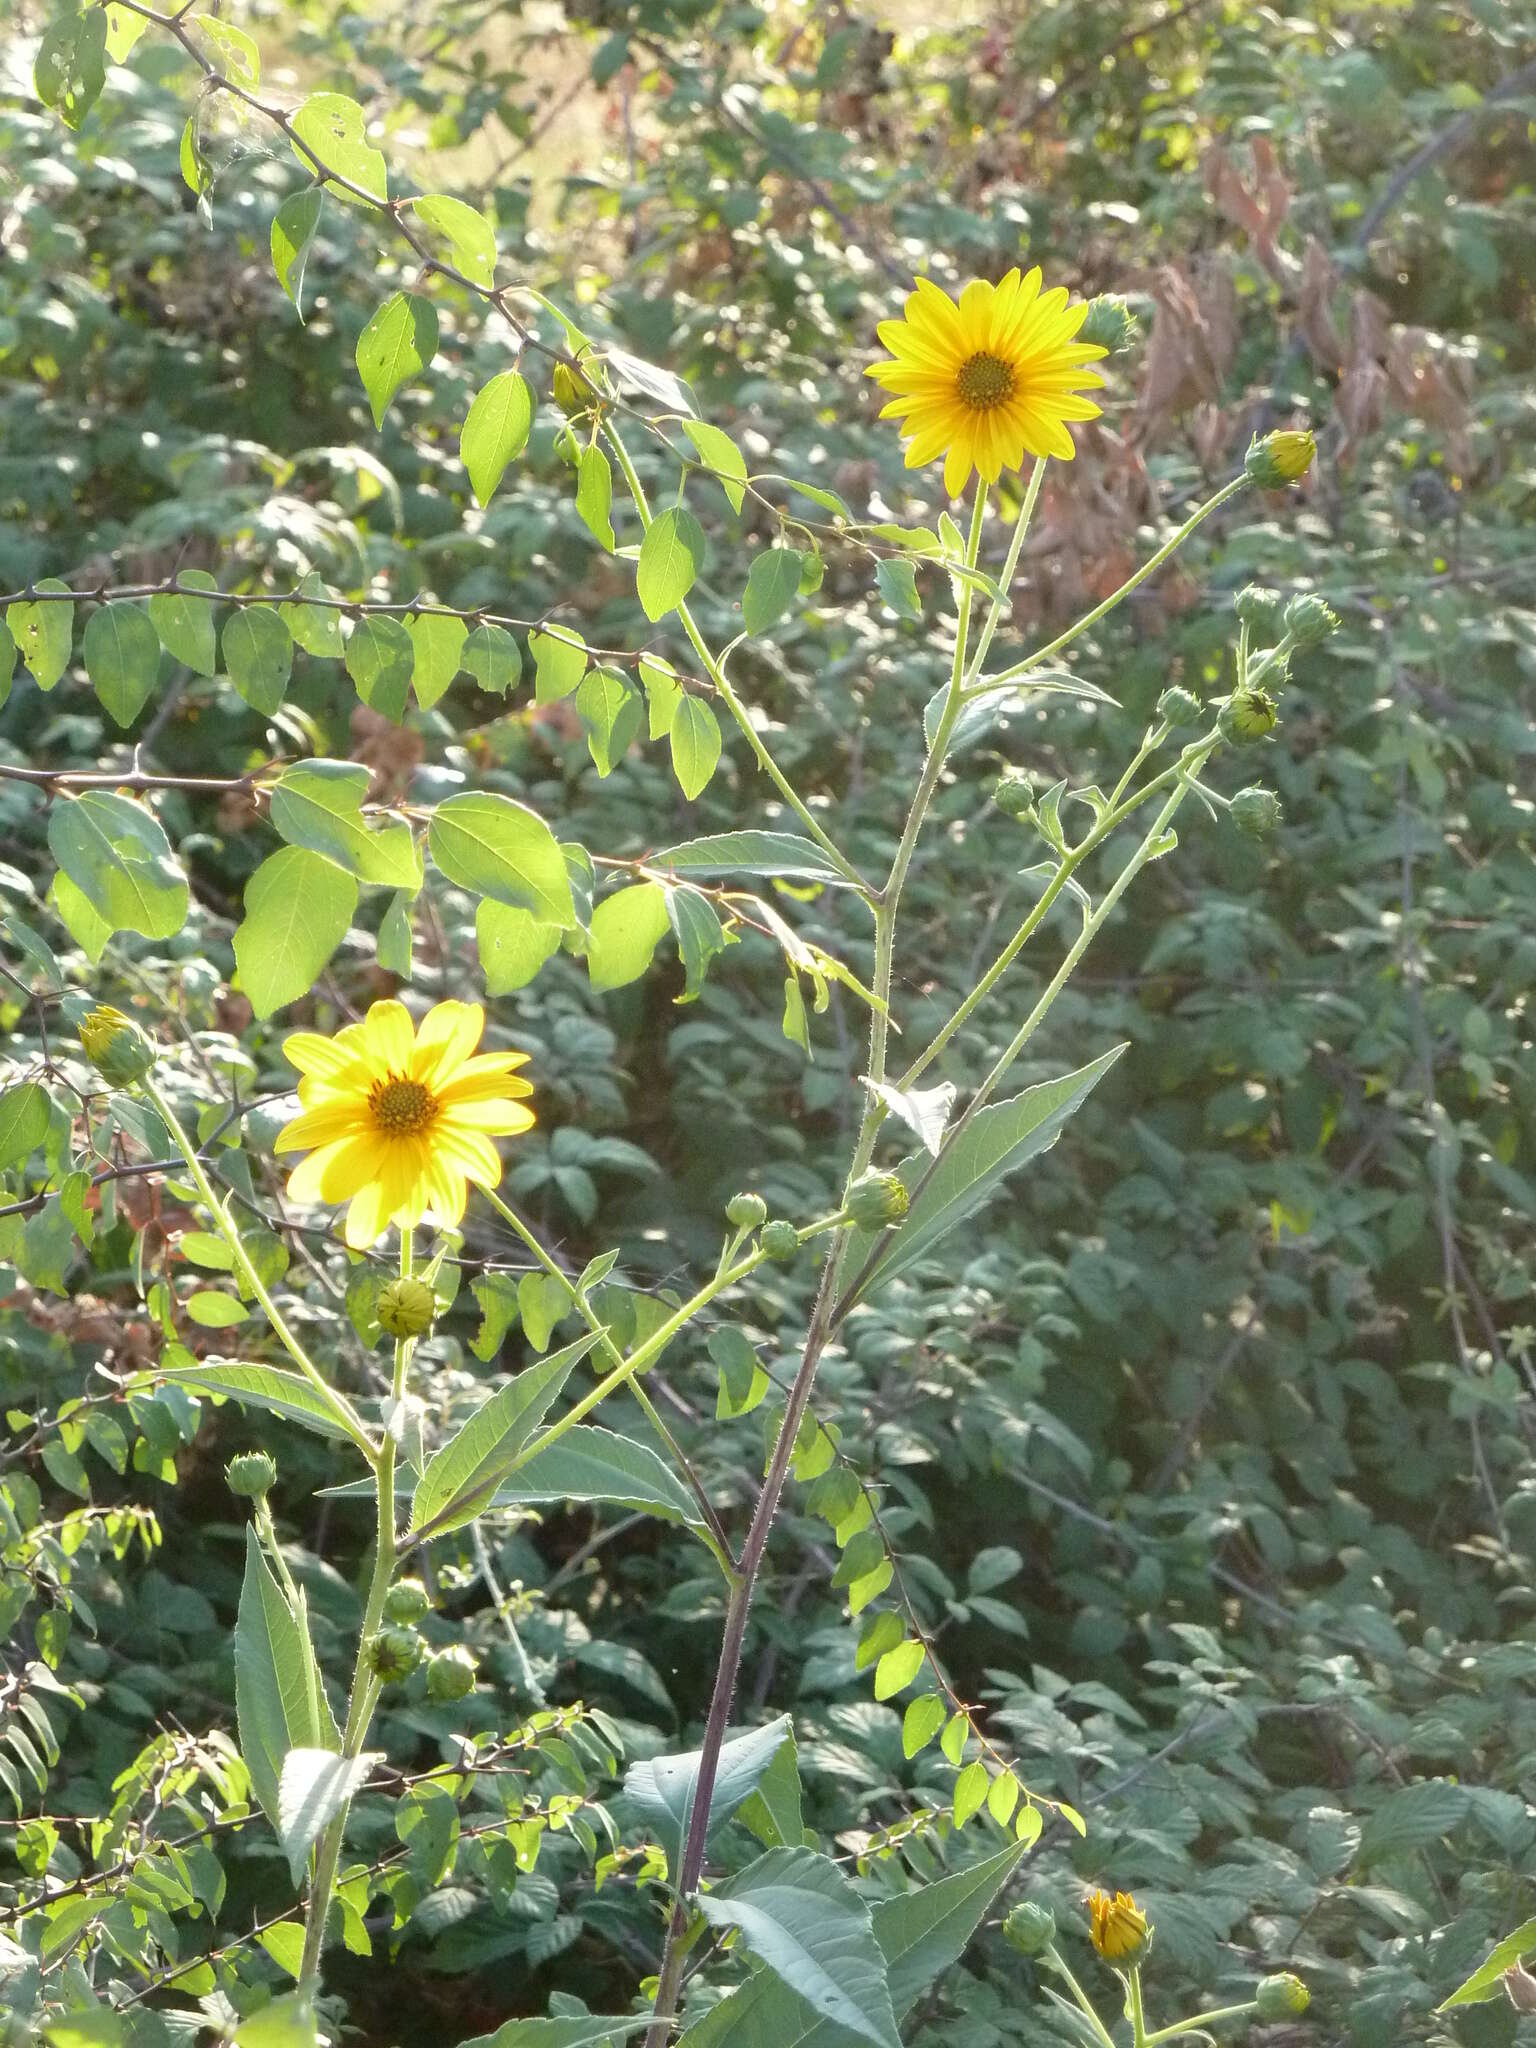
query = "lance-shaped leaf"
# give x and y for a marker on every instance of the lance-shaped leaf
(996, 1142)
(663, 1787)
(591, 1464)
(280, 1703)
(460, 1481)
(750, 853)
(287, 1394)
(315, 1785)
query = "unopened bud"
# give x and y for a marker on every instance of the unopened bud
(251, 1475)
(746, 1212)
(1248, 715)
(1178, 706)
(1256, 606)
(394, 1653)
(1308, 620)
(780, 1240)
(1281, 1997)
(1281, 458)
(450, 1675)
(876, 1199)
(571, 391)
(406, 1601)
(1255, 811)
(116, 1047)
(407, 1308)
(1117, 1927)
(1030, 1928)
(1109, 324)
(1014, 793)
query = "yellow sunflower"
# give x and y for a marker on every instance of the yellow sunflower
(397, 1120)
(1117, 1926)
(989, 379)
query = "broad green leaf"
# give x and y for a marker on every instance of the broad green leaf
(194, 166)
(497, 848)
(461, 1479)
(997, 1141)
(627, 927)
(957, 1733)
(594, 495)
(185, 624)
(633, 373)
(750, 853)
(970, 1792)
(773, 582)
(802, 1918)
(612, 712)
(495, 431)
(280, 1703)
(1413, 1817)
(267, 1387)
(94, 2027)
(121, 652)
(314, 1786)
(25, 1114)
(316, 627)
(1485, 1981)
(215, 1311)
(71, 65)
(397, 344)
(897, 1669)
(319, 804)
(898, 586)
(333, 133)
(43, 633)
(79, 916)
(921, 1722)
(396, 937)
(983, 716)
(559, 663)
(773, 1812)
(298, 909)
(662, 690)
(123, 30)
(284, 2023)
(671, 556)
(467, 234)
(514, 945)
(235, 56)
(663, 1787)
(719, 454)
(380, 659)
(700, 937)
(7, 661)
(437, 639)
(258, 652)
(695, 745)
(591, 1464)
(115, 853)
(491, 656)
(294, 227)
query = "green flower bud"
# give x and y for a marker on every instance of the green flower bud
(450, 1675)
(1272, 668)
(571, 391)
(394, 1653)
(1248, 715)
(780, 1240)
(1280, 459)
(1309, 620)
(407, 1308)
(116, 1047)
(746, 1212)
(251, 1475)
(406, 1601)
(1031, 1929)
(1255, 811)
(1282, 1997)
(1014, 793)
(876, 1199)
(1178, 706)
(1109, 324)
(1256, 606)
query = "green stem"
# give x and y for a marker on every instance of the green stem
(1010, 676)
(713, 1533)
(1199, 2020)
(1138, 2014)
(728, 696)
(341, 1409)
(366, 1687)
(1010, 569)
(1054, 1957)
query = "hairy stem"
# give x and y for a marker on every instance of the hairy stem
(1085, 2005)
(1197, 2021)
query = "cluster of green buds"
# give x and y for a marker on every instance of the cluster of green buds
(398, 1648)
(1273, 629)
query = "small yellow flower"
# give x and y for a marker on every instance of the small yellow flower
(400, 1119)
(1280, 458)
(989, 378)
(1117, 1926)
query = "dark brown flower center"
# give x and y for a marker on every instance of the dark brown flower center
(402, 1108)
(984, 381)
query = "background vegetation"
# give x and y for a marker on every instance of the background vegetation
(1206, 1463)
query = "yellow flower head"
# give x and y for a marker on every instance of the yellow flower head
(1280, 458)
(1117, 1926)
(401, 1120)
(989, 379)
(116, 1047)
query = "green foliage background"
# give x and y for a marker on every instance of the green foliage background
(1207, 1462)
